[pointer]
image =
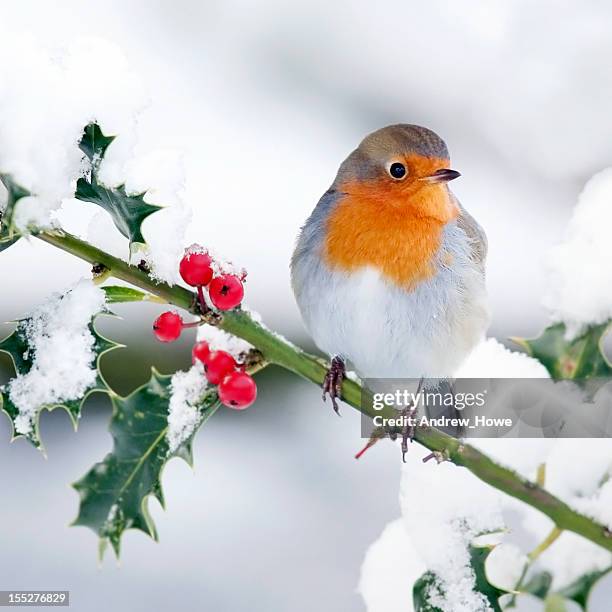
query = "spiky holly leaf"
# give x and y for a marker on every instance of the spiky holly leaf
(580, 358)
(114, 493)
(16, 345)
(94, 144)
(428, 584)
(8, 235)
(580, 590)
(478, 557)
(127, 211)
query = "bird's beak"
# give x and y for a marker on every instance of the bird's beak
(441, 176)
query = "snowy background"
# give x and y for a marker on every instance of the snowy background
(255, 104)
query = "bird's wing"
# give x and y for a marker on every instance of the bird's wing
(313, 231)
(476, 234)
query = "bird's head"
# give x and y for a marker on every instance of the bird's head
(401, 168)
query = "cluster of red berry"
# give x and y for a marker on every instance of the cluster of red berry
(236, 388)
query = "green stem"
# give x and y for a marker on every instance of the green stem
(545, 544)
(277, 350)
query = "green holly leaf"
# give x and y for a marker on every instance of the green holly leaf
(429, 584)
(478, 557)
(423, 588)
(581, 358)
(17, 347)
(127, 211)
(94, 144)
(117, 294)
(114, 493)
(15, 192)
(580, 590)
(538, 585)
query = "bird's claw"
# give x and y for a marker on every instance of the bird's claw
(408, 429)
(332, 384)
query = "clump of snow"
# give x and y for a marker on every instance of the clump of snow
(578, 467)
(196, 249)
(222, 266)
(444, 508)
(505, 565)
(256, 316)
(390, 568)
(597, 505)
(352, 375)
(186, 391)
(39, 149)
(220, 340)
(491, 359)
(218, 264)
(570, 557)
(579, 267)
(61, 350)
(28, 211)
(102, 233)
(579, 471)
(161, 173)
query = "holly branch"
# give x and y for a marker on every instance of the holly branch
(158, 420)
(277, 350)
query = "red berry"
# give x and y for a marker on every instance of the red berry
(168, 326)
(237, 390)
(217, 365)
(196, 269)
(226, 291)
(199, 352)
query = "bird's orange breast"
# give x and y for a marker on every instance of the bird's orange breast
(379, 227)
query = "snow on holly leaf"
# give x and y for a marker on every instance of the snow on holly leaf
(55, 352)
(428, 591)
(153, 424)
(14, 193)
(579, 358)
(94, 144)
(127, 211)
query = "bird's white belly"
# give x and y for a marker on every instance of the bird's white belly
(386, 331)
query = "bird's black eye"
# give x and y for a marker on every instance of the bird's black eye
(397, 170)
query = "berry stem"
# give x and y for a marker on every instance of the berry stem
(192, 324)
(279, 351)
(203, 306)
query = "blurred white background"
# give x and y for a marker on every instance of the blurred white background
(265, 99)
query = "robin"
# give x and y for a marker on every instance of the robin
(388, 270)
